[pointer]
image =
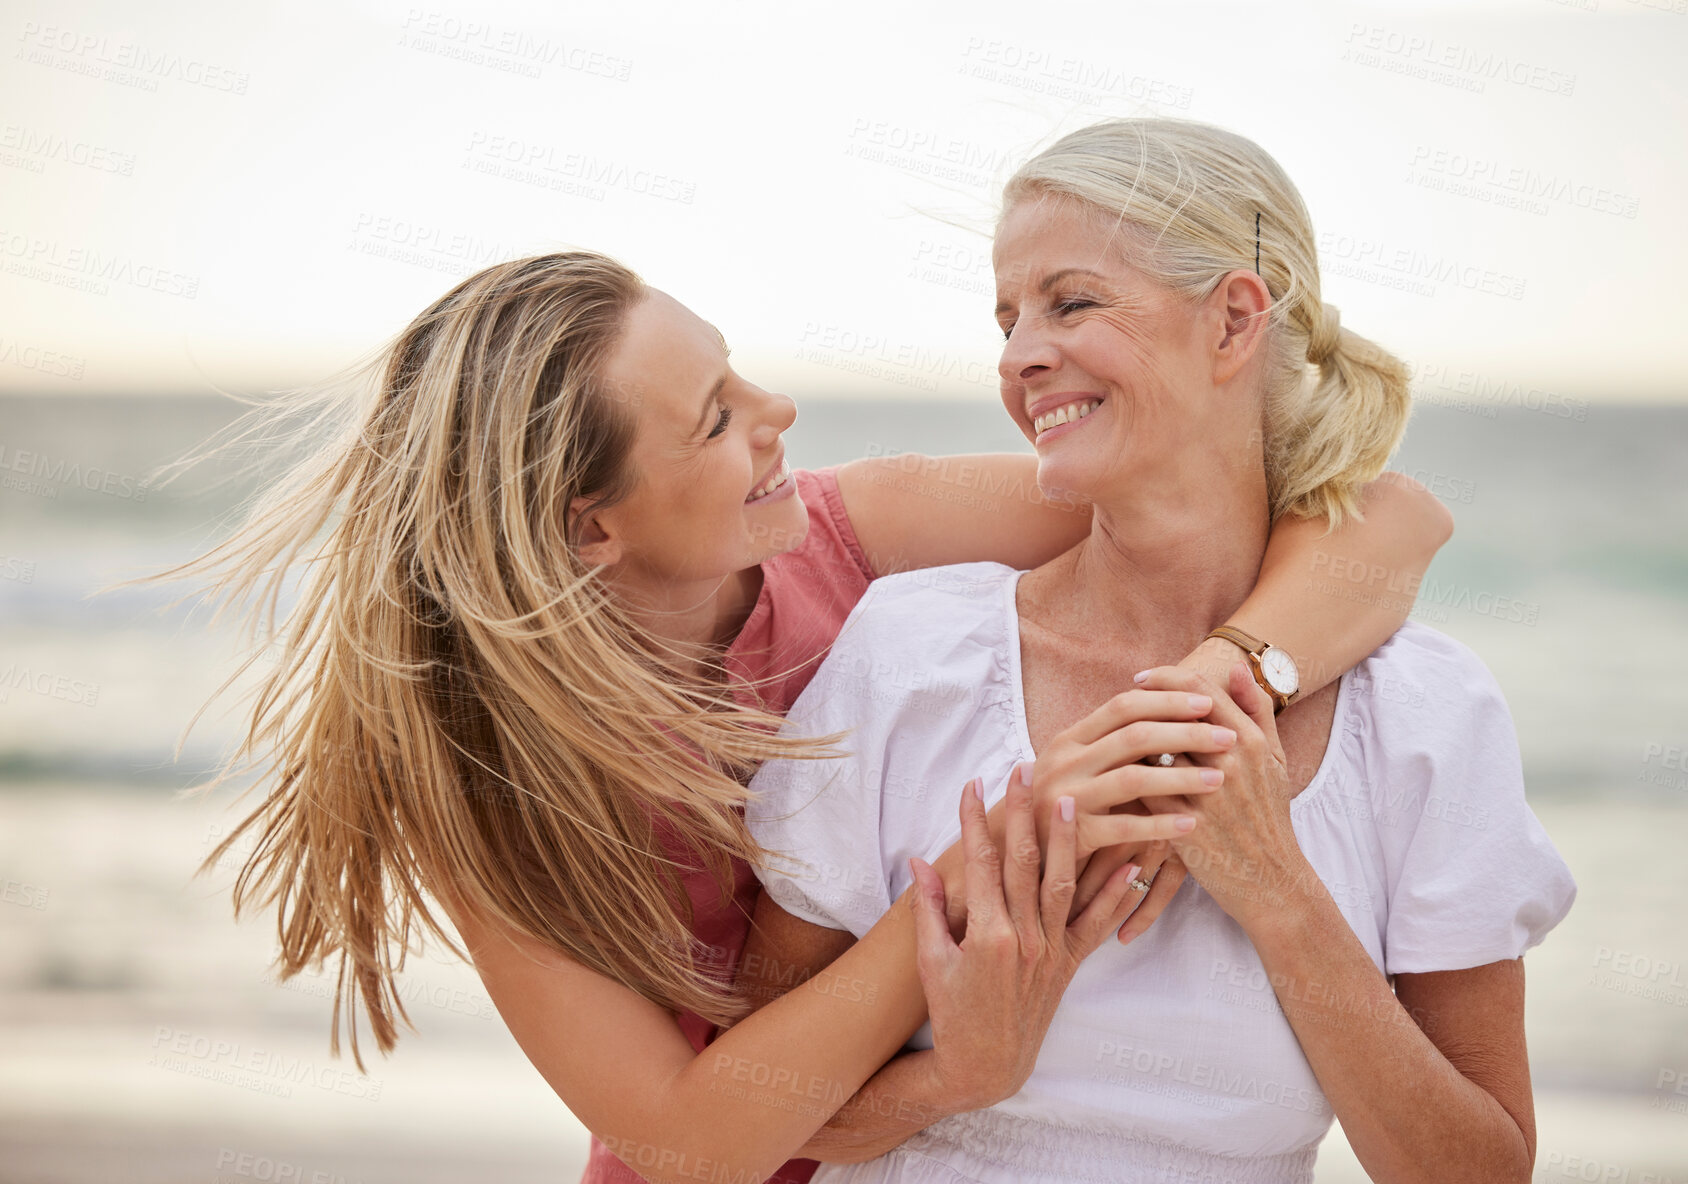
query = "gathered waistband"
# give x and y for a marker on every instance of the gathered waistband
(988, 1145)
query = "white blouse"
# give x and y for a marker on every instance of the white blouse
(1169, 1059)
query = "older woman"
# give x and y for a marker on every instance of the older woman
(1170, 359)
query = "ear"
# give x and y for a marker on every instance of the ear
(596, 539)
(1240, 304)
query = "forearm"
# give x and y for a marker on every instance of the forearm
(1421, 1119)
(901, 1099)
(1331, 599)
(753, 1098)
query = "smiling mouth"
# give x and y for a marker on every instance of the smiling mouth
(1077, 409)
(780, 477)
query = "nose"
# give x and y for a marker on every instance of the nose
(776, 414)
(1027, 352)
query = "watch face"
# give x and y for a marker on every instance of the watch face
(1279, 669)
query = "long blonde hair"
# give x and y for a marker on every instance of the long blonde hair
(1196, 202)
(460, 708)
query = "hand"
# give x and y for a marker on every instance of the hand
(1244, 852)
(1096, 763)
(992, 996)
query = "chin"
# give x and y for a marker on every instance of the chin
(1074, 478)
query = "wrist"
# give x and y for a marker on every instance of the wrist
(1213, 659)
(936, 1097)
(1293, 907)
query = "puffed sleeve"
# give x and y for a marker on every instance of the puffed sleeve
(1471, 876)
(819, 819)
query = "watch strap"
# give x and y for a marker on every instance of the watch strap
(1254, 647)
(1250, 644)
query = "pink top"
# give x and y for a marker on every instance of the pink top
(806, 594)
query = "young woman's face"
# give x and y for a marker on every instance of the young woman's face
(1103, 370)
(712, 493)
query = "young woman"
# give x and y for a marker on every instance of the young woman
(1364, 887)
(556, 583)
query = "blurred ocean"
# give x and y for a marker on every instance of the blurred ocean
(139, 1036)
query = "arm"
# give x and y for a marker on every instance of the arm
(900, 1099)
(739, 1109)
(1331, 599)
(1454, 1102)
(911, 511)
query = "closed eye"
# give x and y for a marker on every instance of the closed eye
(721, 422)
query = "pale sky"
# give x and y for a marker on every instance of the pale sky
(202, 195)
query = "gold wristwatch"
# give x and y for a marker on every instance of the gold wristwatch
(1273, 668)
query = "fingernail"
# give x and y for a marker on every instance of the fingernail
(1140, 676)
(1212, 776)
(1066, 809)
(1026, 774)
(1185, 822)
(1200, 703)
(978, 788)
(1131, 870)
(1224, 736)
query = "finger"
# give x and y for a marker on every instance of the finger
(1021, 862)
(1100, 866)
(1130, 706)
(1132, 783)
(1148, 857)
(1059, 875)
(1097, 921)
(1135, 741)
(1134, 830)
(1164, 887)
(1148, 861)
(1225, 711)
(933, 941)
(984, 864)
(1258, 704)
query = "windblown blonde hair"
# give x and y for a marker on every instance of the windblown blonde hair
(1188, 198)
(460, 708)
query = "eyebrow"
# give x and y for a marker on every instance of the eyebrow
(1050, 279)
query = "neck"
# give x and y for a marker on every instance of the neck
(698, 618)
(1159, 570)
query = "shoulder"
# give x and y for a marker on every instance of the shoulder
(927, 641)
(831, 536)
(924, 613)
(1428, 732)
(1420, 675)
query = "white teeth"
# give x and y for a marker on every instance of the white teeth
(771, 484)
(1061, 415)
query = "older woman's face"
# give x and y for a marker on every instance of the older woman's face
(1106, 372)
